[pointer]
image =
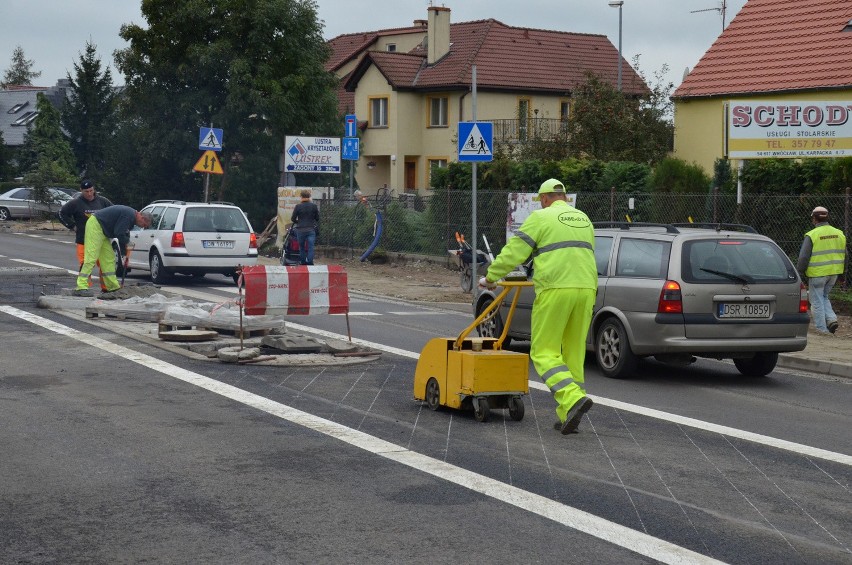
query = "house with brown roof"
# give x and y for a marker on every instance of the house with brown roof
(773, 50)
(410, 87)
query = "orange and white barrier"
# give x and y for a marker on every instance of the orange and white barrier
(299, 290)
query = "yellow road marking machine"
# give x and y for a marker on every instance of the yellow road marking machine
(465, 372)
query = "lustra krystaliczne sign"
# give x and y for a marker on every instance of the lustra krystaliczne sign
(791, 129)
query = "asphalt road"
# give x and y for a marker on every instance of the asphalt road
(118, 451)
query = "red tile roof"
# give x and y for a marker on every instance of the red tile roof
(506, 58)
(777, 46)
(348, 46)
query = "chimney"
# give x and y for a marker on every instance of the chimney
(438, 33)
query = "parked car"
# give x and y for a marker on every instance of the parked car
(193, 238)
(21, 203)
(72, 192)
(680, 291)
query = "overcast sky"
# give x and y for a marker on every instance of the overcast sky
(54, 32)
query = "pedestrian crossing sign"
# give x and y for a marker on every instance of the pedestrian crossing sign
(210, 139)
(476, 141)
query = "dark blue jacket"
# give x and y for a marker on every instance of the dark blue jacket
(116, 221)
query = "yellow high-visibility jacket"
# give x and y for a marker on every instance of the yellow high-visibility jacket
(561, 240)
(828, 255)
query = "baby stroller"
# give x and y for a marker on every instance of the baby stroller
(465, 255)
(290, 252)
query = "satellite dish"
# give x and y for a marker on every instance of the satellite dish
(685, 74)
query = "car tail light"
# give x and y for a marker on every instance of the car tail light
(670, 299)
(803, 299)
(253, 241)
(177, 239)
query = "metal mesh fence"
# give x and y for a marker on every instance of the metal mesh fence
(427, 224)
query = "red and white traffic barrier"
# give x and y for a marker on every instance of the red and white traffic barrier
(299, 290)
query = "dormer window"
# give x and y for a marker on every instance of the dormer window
(17, 108)
(391, 47)
(848, 26)
(25, 119)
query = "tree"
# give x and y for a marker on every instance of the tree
(46, 153)
(20, 72)
(251, 67)
(88, 113)
(609, 125)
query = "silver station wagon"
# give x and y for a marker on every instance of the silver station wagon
(680, 291)
(193, 238)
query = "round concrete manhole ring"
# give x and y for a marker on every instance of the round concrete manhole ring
(188, 335)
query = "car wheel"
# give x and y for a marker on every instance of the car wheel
(159, 275)
(612, 350)
(493, 326)
(433, 394)
(4, 215)
(758, 366)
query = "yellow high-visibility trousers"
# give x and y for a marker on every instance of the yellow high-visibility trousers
(98, 248)
(560, 323)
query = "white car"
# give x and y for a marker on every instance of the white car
(193, 238)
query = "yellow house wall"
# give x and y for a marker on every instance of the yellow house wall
(700, 124)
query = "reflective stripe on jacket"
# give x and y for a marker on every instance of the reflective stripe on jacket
(828, 255)
(561, 241)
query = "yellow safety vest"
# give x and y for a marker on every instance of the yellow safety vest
(828, 255)
(561, 240)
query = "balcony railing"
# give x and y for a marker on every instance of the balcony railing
(519, 131)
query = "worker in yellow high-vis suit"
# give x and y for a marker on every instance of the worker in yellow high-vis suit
(561, 241)
(822, 260)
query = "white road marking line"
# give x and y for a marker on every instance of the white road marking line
(421, 313)
(359, 314)
(650, 412)
(45, 265)
(569, 516)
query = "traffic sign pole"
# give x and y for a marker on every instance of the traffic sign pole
(474, 258)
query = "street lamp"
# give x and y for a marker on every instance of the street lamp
(618, 4)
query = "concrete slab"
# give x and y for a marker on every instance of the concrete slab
(292, 343)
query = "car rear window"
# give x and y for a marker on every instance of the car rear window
(750, 259)
(209, 219)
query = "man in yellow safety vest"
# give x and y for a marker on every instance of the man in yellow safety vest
(822, 259)
(561, 241)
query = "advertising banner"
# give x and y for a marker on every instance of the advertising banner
(312, 154)
(521, 205)
(288, 197)
(788, 129)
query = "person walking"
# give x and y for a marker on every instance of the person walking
(822, 259)
(76, 212)
(102, 227)
(306, 218)
(561, 241)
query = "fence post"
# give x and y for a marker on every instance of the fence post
(715, 204)
(612, 204)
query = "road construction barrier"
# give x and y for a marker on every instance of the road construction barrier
(296, 290)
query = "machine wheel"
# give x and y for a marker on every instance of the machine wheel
(466, 275)
(516, 408)
(433, 394)
(4, 215)
(612, 350)
(480, 408)
(159, 275)
(492, 327)
(758, 366)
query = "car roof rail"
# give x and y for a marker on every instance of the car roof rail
(221, 202)
(168, 202)
(670, 228)
(718, 226)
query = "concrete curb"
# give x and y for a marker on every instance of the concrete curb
(832, 368)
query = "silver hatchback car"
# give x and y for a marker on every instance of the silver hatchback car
(680, 291)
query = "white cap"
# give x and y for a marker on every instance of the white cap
(820, 211)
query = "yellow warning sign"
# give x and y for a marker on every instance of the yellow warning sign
(209, 163)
